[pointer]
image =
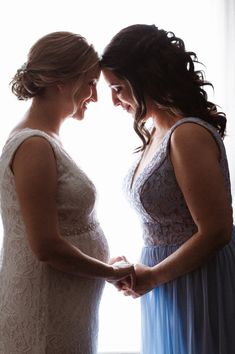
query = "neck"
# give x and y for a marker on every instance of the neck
(163, 121)
(43, 115)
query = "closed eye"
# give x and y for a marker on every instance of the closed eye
(93, 82)
(116, 88)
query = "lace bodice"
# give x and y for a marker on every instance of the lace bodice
(76, 193)
(44, 310)
(157, 198)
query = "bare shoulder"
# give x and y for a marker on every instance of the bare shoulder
(35, 146)
(194, 136)
(35, 143)
(34, 150)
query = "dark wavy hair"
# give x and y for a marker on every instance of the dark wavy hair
(156, 64)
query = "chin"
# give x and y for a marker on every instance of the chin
(132, 113)
(78, 116)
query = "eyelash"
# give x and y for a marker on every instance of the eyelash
(93, 83)
(117, 89)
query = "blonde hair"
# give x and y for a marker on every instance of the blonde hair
(54, 59)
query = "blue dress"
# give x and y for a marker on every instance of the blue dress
(195, 313)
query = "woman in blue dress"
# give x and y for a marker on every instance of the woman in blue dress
(180, 188)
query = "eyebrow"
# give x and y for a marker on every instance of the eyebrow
(113, 85)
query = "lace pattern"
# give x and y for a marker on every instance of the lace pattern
(157, 197)
(44, 310)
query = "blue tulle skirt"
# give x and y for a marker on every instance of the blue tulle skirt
(194, 314)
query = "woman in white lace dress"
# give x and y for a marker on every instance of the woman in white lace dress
(54, 256)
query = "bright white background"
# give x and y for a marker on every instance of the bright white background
(103, 143)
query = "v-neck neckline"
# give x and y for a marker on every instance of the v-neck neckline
(136, 177)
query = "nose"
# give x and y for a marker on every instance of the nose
(115, 99)
(94, 95)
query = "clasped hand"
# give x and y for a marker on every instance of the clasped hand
(138, 284)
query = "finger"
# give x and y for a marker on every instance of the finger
(127, 267)
(115, 259)
(120, 285)
(124, 259)
(126, 293)
(123, 272)
(133, 279)
(118, 288)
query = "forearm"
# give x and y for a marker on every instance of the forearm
(191, 255)
(65, 257)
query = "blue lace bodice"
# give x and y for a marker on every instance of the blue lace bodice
(157, 198)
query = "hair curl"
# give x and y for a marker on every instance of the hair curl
(156, 64)
(54, 59)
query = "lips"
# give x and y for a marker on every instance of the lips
(126, 107)
(85, 105)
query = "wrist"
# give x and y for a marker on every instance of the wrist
(153, 278)
(111, 272)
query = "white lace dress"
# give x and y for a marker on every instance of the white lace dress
(44, 310)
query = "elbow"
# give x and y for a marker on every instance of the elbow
(228, 235)
(44, 253)
(224, 235)
(48, 249)
(217, 237)
(42, 258)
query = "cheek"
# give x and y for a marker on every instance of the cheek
(78, 100)
(123, 97)
(128, 101)
(86, 94)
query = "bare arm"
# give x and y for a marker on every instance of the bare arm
(195, 157)
(35, 173)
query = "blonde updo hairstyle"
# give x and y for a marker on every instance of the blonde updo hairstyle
(56, 58)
